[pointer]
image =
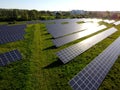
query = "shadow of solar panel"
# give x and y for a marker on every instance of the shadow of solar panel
(71, 52)
(94, 73)
(66, 39)
(9, 57)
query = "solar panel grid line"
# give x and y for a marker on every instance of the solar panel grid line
(1, 62)
(66, 39)
(3, 59)
(17, 54)
(84, 45)
(13, 54)
(9, 57)
(13, 59)
(110, 60)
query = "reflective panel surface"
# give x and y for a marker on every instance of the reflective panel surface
(94, 73)
(71, 52)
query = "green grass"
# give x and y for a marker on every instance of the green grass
(51, 23)
(40, 68)
(3, 23)
(80, 22)
(64, 22)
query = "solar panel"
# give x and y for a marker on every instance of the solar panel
(59, 21)
(71, 52)
(9, 57)
(58, 30)
(64, 40)
(11, 33)
(91, 20)
(94, 73)
(117, 23)
(109, 21)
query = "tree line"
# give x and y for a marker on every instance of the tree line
(26, 15)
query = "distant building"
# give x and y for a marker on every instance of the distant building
(77, 12)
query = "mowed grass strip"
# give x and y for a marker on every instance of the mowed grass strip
(38, 77)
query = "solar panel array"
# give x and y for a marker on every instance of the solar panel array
(71, 52)
(94, 73)
(66, 39)
(9, 57)
(11, 33)
(60, 21)
(117, 23)
(91, 20)
(58, 30)
(109, 21)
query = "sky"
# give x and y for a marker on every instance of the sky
(62, 5)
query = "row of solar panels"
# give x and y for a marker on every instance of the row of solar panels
(64, 40)
(11, 33)
(69, 35)
(94, 73)
(109, 21)
(60, 21)
(91, 77)
(117, 23)
(72, 21)
(9, 57)
(62, 30)
(71, 52)
(64, 34)
(13, 27)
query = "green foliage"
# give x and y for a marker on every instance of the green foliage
(24, 15)
(59, 15)
(64, 22)
(80, 22)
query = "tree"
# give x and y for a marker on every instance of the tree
(58, 15)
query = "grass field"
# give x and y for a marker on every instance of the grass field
(40, 68)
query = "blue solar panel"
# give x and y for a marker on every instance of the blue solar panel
(71, 52)
(117, 23)
(66, 39)
(59, 30)
(9, 57)
(11, 33)
(94, 73)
